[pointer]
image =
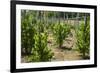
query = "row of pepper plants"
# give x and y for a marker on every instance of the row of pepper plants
(34, 35)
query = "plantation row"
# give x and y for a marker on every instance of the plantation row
(34, 36)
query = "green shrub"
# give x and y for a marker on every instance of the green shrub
(27, 33)
(41, 52)
(60, 32)
(83, 39)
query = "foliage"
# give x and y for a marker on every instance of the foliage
(83, 39)
(27, 33)
(60, 32)
(37, 25)
(41, 52)
(33, 38)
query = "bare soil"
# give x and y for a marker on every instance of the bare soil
(68, 51)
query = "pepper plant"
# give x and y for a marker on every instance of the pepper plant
(27, 33)
(83, 38)
(60, 32)
(40, 52)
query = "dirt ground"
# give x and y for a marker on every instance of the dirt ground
(67, 52)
